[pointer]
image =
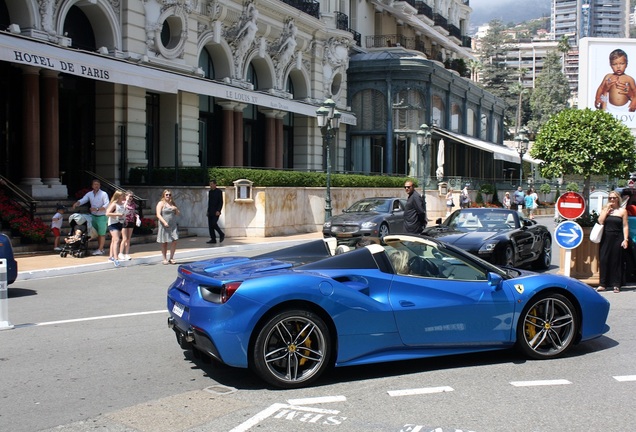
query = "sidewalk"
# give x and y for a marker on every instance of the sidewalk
(189, 248)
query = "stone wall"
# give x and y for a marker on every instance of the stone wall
(273, 211)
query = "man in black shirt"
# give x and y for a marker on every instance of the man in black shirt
(414, 214)
(215, 204)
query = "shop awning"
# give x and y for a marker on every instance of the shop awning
(500, 152)
(20, 50)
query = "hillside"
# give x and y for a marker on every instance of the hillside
(507, 11)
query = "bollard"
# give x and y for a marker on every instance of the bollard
(4, 296)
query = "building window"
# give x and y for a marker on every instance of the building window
(456, 118)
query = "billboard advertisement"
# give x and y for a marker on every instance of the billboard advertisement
(607, 77)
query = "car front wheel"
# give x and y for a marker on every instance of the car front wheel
(292, 349)
(547, 327)
(383, 231)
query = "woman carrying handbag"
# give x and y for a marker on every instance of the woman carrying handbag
(613, 243)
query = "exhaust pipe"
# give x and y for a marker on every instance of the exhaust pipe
(189, 336)
(170, 322)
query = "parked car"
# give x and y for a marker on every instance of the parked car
(289, 315)
(6, 252)
(500, 236)
(373, 217)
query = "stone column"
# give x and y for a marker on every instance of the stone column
(280, 142)
(238, 135)
(30, 128)
(271, 150)
(228, 133)
(50, 129)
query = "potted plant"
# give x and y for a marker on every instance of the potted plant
(487, 190)
(545, 189)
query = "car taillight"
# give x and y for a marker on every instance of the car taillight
(218, 295)
(228, 290)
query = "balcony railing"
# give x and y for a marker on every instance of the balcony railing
(440, 21)
(310, 7)
(342, 21)
(455, 32)
(423, 9)
(391, 40)
(356, 37)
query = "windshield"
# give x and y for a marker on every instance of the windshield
(370, 205)
(477, 220)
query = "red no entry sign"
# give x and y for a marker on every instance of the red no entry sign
(571, 205)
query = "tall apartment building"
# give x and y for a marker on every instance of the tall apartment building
(108, 86)
(576, 19)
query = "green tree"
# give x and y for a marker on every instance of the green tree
(584, 143)
(551, 93)
(494, 75)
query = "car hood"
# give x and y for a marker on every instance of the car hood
(347, 218)
(463, 240)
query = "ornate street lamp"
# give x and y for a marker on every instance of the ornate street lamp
(522, 147)
(329, 122)
(424, 143)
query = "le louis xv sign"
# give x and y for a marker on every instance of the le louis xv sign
(61, 65)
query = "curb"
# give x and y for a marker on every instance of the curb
(189, 254)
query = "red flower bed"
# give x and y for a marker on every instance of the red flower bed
(16, 218)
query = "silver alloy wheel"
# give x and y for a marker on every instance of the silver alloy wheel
(383, 231)
(547, 327)
(292, 349)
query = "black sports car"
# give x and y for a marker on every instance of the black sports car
(372, 217)
(497, 235)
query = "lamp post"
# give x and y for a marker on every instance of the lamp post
(329, 122)
(522, 147)
(424, 143)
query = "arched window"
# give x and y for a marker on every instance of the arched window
(456, 118)
(251, 76)
(438, 111)
(368, 136)
(78, 28)
(408, 110)
(471, 122)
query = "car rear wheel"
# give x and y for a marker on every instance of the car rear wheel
(547, 327)
(292, 349)
(545, 257)
(383, 231)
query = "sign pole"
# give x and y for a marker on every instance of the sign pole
(568, 262)
(4, 296)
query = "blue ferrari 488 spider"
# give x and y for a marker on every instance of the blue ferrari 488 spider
(290, 314)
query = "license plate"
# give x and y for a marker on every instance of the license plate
(178, 309)
(344, 235)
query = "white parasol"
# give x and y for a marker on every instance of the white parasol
(440, 161)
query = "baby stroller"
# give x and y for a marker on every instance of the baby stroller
(76, 244)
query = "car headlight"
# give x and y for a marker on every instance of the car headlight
(327, 225)
(487, 248)
(368, 225)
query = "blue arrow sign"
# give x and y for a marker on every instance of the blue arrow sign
(568, 235)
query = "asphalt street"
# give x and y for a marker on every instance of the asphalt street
(93, 352)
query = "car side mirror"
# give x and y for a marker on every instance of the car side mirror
(438, 221)
(494, 280)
